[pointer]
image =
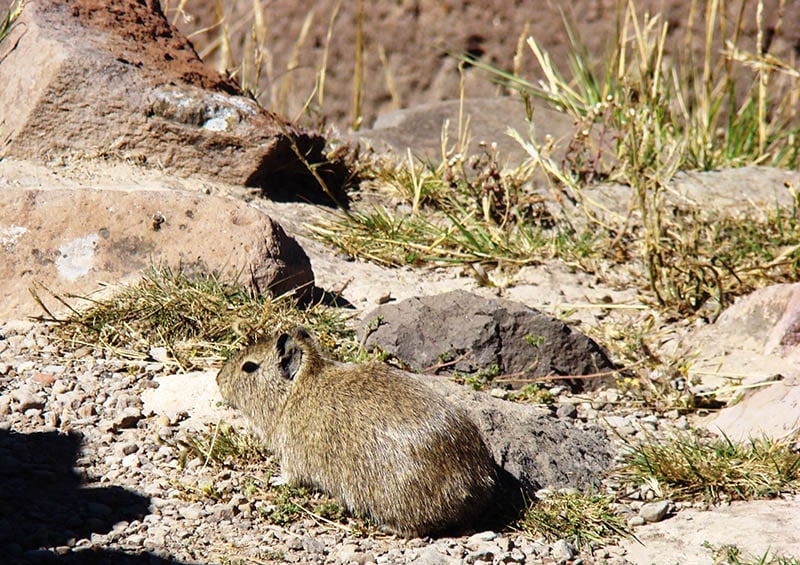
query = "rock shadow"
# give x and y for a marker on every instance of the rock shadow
(44, 503)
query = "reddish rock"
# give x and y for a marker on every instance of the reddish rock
(751, 355)
(70, 240)
(43, 378)
(89, 78)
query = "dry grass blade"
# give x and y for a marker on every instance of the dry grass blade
(224, 445)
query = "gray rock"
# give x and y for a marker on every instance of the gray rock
(432, 556)
(313, 545)
(567, 411)
(471, 333)
(655, 511)
(534, 447)
(192, 512)
(562, 550)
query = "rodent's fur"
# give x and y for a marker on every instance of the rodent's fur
(375, 438)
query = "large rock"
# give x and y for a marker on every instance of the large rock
(88, 78)
(751, 357)
(468, 333)
(419, 129)
(537, 449)
(70, 240)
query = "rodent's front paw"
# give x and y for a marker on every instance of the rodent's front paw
(280, 480)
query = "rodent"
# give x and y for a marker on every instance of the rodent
(374, 437)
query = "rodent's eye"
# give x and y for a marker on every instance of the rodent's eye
(250, 367)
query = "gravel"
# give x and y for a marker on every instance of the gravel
(89, 475)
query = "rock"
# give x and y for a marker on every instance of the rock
(128, 418)
(26, 399)
(194, 394)
(635, 521)
(532, 446)
(159, 104)
(687, 537)
(655, 511)
(562, 550)
(567, 411)
(432, 556)
(470, 333)
(481, 537)
(313, 545)
(192, 512)
(758, 337)
(419, 129)
(115, 239)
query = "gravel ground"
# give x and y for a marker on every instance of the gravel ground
(89, 477)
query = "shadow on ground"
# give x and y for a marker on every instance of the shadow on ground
(44, 503)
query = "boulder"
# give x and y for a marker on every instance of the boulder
(89, 79)
(461, 331)
(72, 239)
(419, 129)
(750, 357)
(533, 446)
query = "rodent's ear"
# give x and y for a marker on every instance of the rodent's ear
(290, 356)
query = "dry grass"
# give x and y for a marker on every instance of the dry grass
(199, 318)
(581, 518)
(687, 467)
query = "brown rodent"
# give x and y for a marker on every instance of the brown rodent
(371, 436)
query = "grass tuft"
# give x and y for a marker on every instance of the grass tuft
(688, 467)
(581, 518)
(199, 318)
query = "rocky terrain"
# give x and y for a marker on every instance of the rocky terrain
(93, 456)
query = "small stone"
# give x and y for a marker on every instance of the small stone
(130, 461)
(655, 511)
(294, 543)
(485, 552)
(128, 418)
(25, 366)
(43, 378)
(351, 553)
(500, 393)
(192, 512)
(562, 550)
(432, 556)
(567, 411)
(313, 545)
(26, 399)
(159, 354)
(634, 521)
(480, 537)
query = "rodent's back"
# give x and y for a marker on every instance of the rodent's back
(379, 440)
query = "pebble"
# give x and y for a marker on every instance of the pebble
(655, 511)
(567, 411)
(562, 550)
